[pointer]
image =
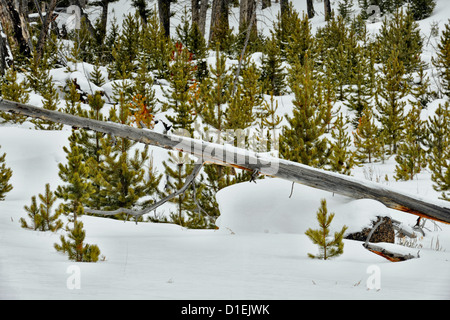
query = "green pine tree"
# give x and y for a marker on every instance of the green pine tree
(77, 188)
(438, 143)
(401, 33)
(392, 88)
(13, 90)
(215, 94)
(345, 9)
(341, 158)
(34, 213)
(50, 101)
(157, 48)
(72, 99)
(328, 248)
(182, 90)
(359, 94)
(422, 9)
(410, 154)
(5, 176)
(177, 168)
(303, 140)
(442, 60)
(272, 74)
(75, 247)
(42, 216)
(248, 97)
(366, 138)
(126, 49)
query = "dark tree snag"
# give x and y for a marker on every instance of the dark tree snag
(15, 26)
(44, 31)
(5, 57)
(164, 15)
(327, 9)
(244, 159)
(310, 9)
(219, 21)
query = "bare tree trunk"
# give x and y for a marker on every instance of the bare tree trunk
(164, 15)
(81, 4)
(44, 31)
(219, 20)
(15, 26)
(195, 9)
(247, 160)
(247, 10)
(310, 8)
(202, 16)
(4, 54)
(327, 8)
(265, 4)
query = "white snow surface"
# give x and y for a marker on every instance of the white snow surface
(259, 251)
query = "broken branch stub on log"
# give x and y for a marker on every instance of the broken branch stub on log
(244, 159)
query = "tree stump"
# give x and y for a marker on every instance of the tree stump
(384, 233)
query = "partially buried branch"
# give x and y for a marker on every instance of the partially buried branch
(137, 213)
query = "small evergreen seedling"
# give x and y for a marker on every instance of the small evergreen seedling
(5, 175)
(41, 216)
(76, 249)
(327, 248)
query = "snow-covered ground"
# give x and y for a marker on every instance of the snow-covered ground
(258, 252)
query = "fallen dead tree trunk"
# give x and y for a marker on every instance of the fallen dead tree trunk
(244, 159)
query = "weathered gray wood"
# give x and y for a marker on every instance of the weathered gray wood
(138, 213)
(244, 159)
(391, 255)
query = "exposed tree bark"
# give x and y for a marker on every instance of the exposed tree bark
(81, 4)
(310, 8)
(202, 16)
(247, 11)
(284, 5)
(390, 255)
(244, 159)
(5, 58)
(15, 26)
(327, 9)
(265, 4)
(195, 9)
(164, 15)
(219, 20)
(247, 38)
(44, 31)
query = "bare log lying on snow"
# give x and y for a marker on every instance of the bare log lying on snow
(244, 159)
(389, 254)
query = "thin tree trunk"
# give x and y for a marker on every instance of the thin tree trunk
(4, 54)
(164, 15)
(327, 8)
(195, 9)
(44, 31)
(310, 8)
(202, 16)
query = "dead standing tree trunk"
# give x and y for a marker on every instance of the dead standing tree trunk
(15, 27)
(244, 159)
(44, 31)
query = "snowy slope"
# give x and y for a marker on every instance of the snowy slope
(258, 252)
